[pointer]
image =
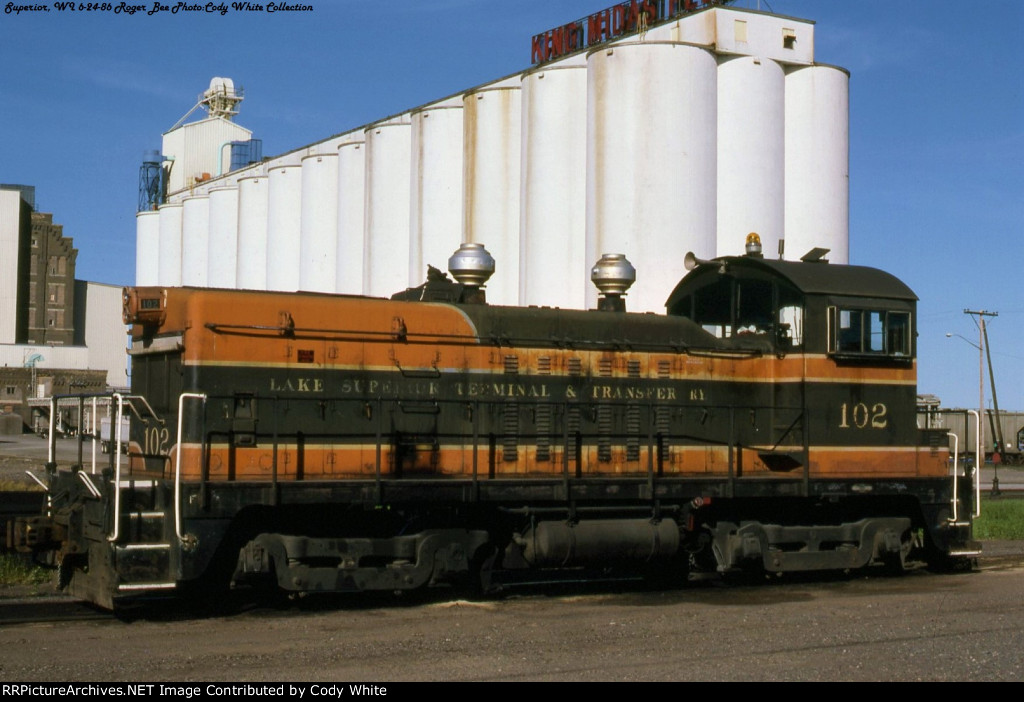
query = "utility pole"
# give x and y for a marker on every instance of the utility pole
(997, 429)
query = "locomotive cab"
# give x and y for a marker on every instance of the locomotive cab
(852, 314)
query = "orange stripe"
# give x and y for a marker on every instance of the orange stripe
(336, 462)
(372, 324)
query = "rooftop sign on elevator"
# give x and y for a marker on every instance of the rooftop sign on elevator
(616, 21)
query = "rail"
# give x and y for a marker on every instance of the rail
(177, 463)
(639, 436)
(116, 451)
(956, 421)
(122, 402)
(955, 500)
(89, 423)
(977, 463)
(139, 408)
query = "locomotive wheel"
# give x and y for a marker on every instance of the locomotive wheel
(481, 569)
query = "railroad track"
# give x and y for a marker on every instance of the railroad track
(55, 608)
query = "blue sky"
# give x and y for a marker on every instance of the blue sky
(936, 125)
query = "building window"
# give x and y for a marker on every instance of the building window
(788, 38)
(740, 30)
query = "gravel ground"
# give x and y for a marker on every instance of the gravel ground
(917, 627)
(921, 626)
(12, 469)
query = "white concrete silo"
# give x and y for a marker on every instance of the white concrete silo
(386, 225)
(292, 158)
(169, 271)
(195, 240)
(222, 253)
(553, 269)
(492, 138)
(147, 248)
(818, 162)
(283, 216)
(318, 236)
(435, 209)
(751, 154)
(351, 203)
(251, 256)
(651, 154)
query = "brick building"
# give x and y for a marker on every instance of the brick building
(51, 286)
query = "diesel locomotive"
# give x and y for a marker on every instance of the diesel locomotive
(329, 443)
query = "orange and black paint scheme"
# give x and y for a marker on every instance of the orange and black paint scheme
(330, 443)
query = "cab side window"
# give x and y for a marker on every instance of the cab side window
(790, 323)
(869, 332)
(747, 307)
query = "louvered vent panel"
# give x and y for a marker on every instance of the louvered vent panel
(510, 418)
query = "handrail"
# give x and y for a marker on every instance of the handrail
(379, 435)
(79, 441)
(51, 445)
(432, 337)
(145, 403)
(95, 435)
(117, 471)
(46, 489)
(177, 463)
(40, 483)
(89, 484)
(978, 460)
(955, 500)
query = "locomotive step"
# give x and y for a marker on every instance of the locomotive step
(143, 527)
(965, 553)
(141, 565)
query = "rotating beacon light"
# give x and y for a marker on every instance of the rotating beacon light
(753, 246)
